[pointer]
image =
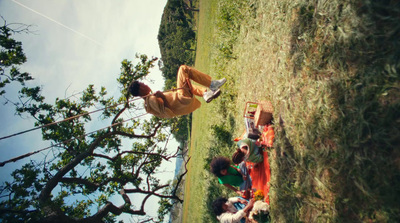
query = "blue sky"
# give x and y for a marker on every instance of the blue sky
(77, 43)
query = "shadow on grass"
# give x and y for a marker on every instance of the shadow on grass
(362, 66)
(284, 181)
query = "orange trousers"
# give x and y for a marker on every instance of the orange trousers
(185, 74)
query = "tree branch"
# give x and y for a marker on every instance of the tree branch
(165, 157)
(111, 208)
(148, 220)
(80, 181)
(180, 179)
(126, 105)
(122, 133)
(6, 210)
(44, 195)
(125, 196)
(140, 191)
(52, 183)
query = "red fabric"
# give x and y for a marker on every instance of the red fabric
(237, 139)
(267, 136)
(260, 175)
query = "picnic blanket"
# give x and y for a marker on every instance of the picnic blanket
(267, 136)
(260, 175)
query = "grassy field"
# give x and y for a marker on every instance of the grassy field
(331, 70)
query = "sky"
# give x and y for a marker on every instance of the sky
(76, 43)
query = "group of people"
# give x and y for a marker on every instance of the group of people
(182, 101)
(235, 176)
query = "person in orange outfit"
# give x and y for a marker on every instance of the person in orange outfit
(183, 100)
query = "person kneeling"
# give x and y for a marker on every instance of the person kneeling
(248, 151)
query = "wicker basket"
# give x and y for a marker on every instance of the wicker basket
(263, 113)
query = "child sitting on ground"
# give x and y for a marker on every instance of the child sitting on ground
(231, 176)
(248, 151)
(232, 210)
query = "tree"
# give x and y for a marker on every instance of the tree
(12, 55)
(85, 171)
(189, 6)
(176, 38)
(167, 205)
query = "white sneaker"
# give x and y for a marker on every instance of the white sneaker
(215, 85)
(211, 95)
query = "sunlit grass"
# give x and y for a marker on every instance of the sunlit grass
(331, 70)
(194, 205)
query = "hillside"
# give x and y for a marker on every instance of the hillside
(332, 73)
(176, 39)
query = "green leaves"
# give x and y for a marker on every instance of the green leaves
(177, 40)
(83, 168)
(11, 55)
(130, 72)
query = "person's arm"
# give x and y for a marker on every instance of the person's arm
(234, 189)
(161, 98)
(188, 84)
(238, 170)
(249, 206)
(235, 217)
(233, 200)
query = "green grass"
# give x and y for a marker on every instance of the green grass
(195, 189)
(331, 70)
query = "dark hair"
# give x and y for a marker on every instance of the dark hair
(134, 88)
(217, 206)
(218, 164)
(238, 156)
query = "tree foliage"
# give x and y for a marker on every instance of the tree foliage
(166, 206)
(176, 38)
(86, 172)
(11, 56)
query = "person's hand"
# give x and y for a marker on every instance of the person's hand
(237, 169)
(239, 192)
(189, 84)
(243, 201)
(158, 94)
(249, 206)
(251, 202)
(161, 95)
